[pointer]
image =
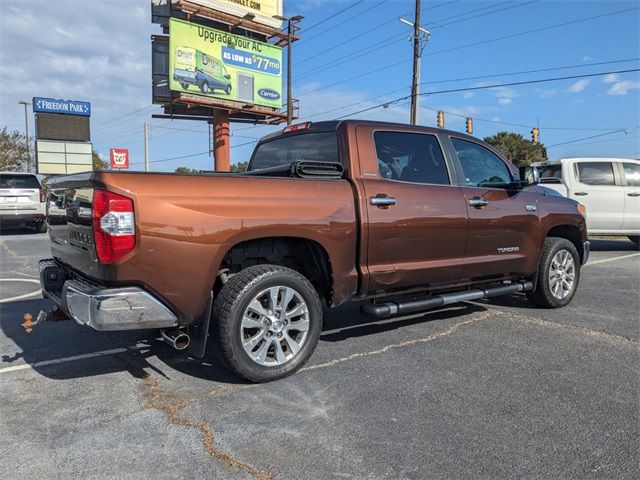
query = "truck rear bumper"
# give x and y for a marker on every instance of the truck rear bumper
(100, 307)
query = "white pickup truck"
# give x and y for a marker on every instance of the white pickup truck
(609, 188)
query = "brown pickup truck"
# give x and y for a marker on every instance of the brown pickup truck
(400, 218)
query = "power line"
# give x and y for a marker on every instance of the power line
(589, 138)
(99, 125)
(434, 22)
(483, 42)
(442, 25)
(332, 16)
(484, 87)
(350, 19)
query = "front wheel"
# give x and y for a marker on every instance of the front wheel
(205, 87)
(558, 274)
(269, 320)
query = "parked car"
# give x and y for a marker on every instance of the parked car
(399, 218)
(609, 188)
(21, 201)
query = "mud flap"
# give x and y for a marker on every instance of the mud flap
(200, 332)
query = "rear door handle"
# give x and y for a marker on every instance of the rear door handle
(581, 193)
(633, 194)
(382, 201)
(478, 202)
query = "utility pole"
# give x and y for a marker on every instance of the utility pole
(420, 35)
(26, 132)
(146, 147)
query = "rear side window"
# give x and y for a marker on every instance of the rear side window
(596, 173)
(7, 180)
(550, 173)
(481, 167)
(410, 157)
(632, 174)
(319, 147)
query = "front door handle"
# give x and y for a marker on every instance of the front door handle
(478, 202)
(382, 201)
(633, 194)
(582, 193)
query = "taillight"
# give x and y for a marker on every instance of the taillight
(42, 196)
(296, 127)
(114, 227)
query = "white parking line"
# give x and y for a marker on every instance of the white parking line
(612, 259)
(20, 297)
(26, 366)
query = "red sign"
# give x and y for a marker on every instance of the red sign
(119, 157)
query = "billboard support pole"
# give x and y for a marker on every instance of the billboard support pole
(221, 140)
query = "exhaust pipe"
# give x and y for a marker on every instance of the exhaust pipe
(176, 338)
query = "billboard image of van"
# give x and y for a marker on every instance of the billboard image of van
(218, 64)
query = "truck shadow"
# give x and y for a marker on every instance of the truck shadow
(66, 350)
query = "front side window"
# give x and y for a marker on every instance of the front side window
(410, 157)
(632, 174)
(596, 173)
(320, 146)
(481, 167)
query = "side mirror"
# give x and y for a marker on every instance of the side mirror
(529, 175)
(227, 76)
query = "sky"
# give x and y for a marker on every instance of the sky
(353, 57)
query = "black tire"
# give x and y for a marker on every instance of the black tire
(204, 88)
(635, 239)
(229, 311)
(185, 86)
(40, 227)
(543, 295)
(228, 90)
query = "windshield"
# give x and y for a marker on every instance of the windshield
(550, 173)
(8, 180)
(321, 146)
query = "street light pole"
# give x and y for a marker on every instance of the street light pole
(26, 131)
(290, 30)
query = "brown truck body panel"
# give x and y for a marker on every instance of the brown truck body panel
(431, 240)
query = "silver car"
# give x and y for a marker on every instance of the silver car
(22, 201)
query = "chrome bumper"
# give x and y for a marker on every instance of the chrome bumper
(103, 308)
(586, 249)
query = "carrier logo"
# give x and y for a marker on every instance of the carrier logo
(508, 249)
(268, 94)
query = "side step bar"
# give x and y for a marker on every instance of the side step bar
(388, 309)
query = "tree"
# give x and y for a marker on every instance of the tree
(240, 167)
(14, 156)
(98, 162)
(516, 148)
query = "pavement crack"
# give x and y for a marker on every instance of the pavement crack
(172, 404)
(451, 330)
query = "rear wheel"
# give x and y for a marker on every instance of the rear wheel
(269, 320)
(558, 274)
(635, 239)
(227, 90)
(185, 86)
(40, 227)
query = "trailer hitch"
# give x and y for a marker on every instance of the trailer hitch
(53, 315)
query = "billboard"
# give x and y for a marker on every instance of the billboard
(264, 10)
(119, 158)
(63, 157)
(218, 64)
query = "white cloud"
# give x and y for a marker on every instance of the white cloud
(505, 95)
(546, 92)
(579, 86)
(467, 95)
(610, 78)
(587, 58)
(622, 88)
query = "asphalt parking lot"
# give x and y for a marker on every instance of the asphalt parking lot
(480, 390)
